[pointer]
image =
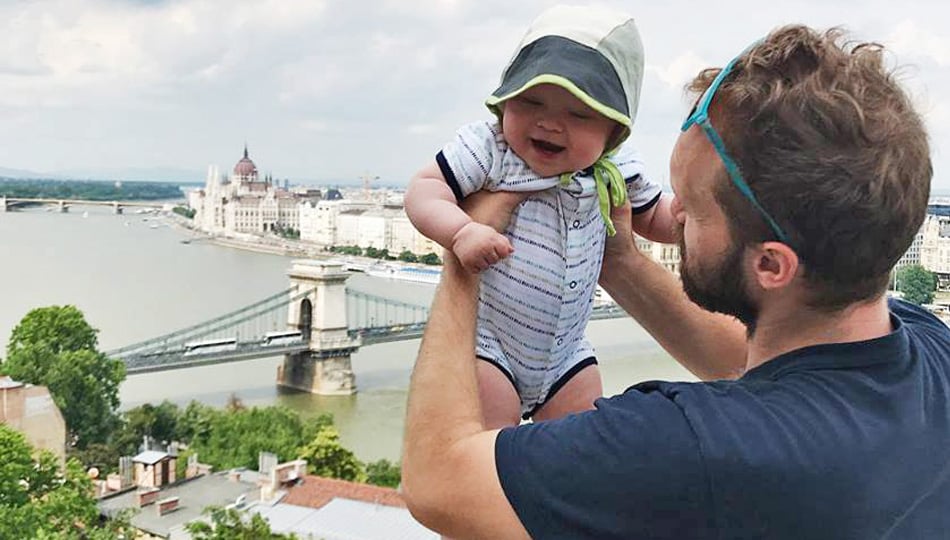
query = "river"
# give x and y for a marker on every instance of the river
(134, 279)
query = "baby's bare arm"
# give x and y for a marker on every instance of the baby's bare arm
(432, 209)
(657, 223)
(431, 206)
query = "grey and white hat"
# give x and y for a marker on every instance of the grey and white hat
(593, 53)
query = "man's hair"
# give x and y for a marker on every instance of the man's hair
(833, 149)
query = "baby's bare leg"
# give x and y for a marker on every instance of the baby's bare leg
(577, 394)
(501, 406)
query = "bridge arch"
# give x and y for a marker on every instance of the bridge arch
(305, 318)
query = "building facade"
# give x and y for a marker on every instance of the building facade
(666, 255)
(934, 249)
(244, 203)
(30, 410)
(348, 222)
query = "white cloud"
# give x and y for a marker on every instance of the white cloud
(912, 39)
(318, 85)
(679, 72)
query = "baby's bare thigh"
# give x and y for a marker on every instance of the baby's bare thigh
(501, 406)
(577, 395)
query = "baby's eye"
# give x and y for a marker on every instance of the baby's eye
(581, 115)
(529, 100)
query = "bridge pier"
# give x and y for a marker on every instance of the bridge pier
(3, 204)
(321, 319)
(116, 208)
(61, 205)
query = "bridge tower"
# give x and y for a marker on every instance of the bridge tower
(321, 318)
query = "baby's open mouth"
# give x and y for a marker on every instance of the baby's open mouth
(546, 147)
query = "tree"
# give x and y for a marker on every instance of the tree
(372, 253)
(159, 423)
(40, 500)
(236, 438)
(383, 473)
(195, 422)
(430, 259)
(917, 283)
(54, 346)
(230, 524)
(407, 256)
(327, 457)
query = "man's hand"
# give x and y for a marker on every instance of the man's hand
(479, 246)
(622, 243)
(494, 208)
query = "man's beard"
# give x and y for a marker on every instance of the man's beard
(721, 288)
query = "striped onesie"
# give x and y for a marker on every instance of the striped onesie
(534, 305)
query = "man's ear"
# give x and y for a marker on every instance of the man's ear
(775, 265)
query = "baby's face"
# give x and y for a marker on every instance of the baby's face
(553, 131)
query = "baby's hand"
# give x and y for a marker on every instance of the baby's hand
(479, 246)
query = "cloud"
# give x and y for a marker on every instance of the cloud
(912, 39)
(680, 71)
(316, 86)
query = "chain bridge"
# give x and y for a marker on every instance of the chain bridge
(315, 324)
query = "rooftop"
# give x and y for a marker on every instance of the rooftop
(193, 497)
(344, 519)
(316, 491)
(6, 382)
(150, 457)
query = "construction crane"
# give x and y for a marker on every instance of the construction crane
(367, 179)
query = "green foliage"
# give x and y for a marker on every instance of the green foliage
(287, 232)
(430, 259)
(186, 212)
(230, 524)
(55, 347)
(54, 329)
(917, 283)
(347, 250)
(39, 500)
(383, 473)
(372, 253)
(408, 256)
(159, 423)
(102, 456)
(89, 190)
(236, 438)
(195, 422)
(326, 457)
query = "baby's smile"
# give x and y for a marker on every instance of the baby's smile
(546, 147)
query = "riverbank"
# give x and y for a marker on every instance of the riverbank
(296, 249)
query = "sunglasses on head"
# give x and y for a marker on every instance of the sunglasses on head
(700, 117)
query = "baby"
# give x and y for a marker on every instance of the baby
(565, 106)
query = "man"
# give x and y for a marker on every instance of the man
(801, 177)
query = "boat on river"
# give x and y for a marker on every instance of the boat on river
(416, 274)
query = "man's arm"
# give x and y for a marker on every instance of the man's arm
(448, 465)
(710, 345)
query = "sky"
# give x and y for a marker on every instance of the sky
(335, 90)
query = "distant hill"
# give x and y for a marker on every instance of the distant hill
(22, 173)
(136, 174)
(128, 174)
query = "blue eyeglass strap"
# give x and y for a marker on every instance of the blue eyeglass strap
(733, 169)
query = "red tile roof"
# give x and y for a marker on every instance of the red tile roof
(316, 491)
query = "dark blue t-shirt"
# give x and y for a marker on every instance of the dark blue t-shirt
(845, 441)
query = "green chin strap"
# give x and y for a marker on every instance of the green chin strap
(611, 189)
